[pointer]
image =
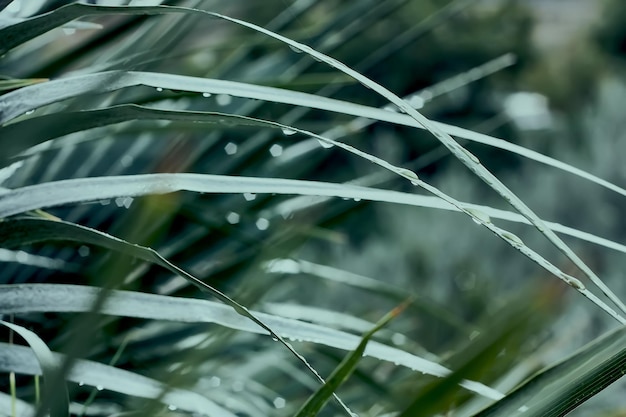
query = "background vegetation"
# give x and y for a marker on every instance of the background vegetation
(318, 261)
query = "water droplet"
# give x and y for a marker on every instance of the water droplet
(274, 338)
(206, 94)
(233, 218)
(279, 402)
(81, 383)
(159, 89)
(296, 50)
(276, 150)
(262, 224)
(398, 339)
(407, 173)
(288, 132)
(83, 251)
(21, 256)
(223, 99)
(426, 95)
(356, 199)
(416, 101)
(99, 387)
(513, 239)
(325, 144)
(30, 112)
(230, 148)
(237, 386)
(172, 407)
(215, 381)
(69, 31)
(471, 156)
(249, 196)
(479, 216)
(577, 284)
(126, 160)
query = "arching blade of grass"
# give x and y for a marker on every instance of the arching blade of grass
(21, 360)
(21, 101)
(25, 298)
(559, 389)
(55, 399)
(19, 232)
(86, 189)
(347, 366)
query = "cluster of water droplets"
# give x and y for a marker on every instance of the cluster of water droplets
(124, 202)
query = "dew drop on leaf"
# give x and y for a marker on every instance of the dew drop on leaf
(514, 239)
(223, 99)
(324, 144)
(407, 173)
(478, 216)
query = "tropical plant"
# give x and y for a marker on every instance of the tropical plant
(195, 220)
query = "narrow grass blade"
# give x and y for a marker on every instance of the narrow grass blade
(56, 398)
(28, 298)
(341, 374)
(81, 190)
(21, 360)
(556, 391)
(86, 189)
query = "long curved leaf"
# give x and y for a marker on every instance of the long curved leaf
(25, 298)
(86, 189)
(30, 98)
